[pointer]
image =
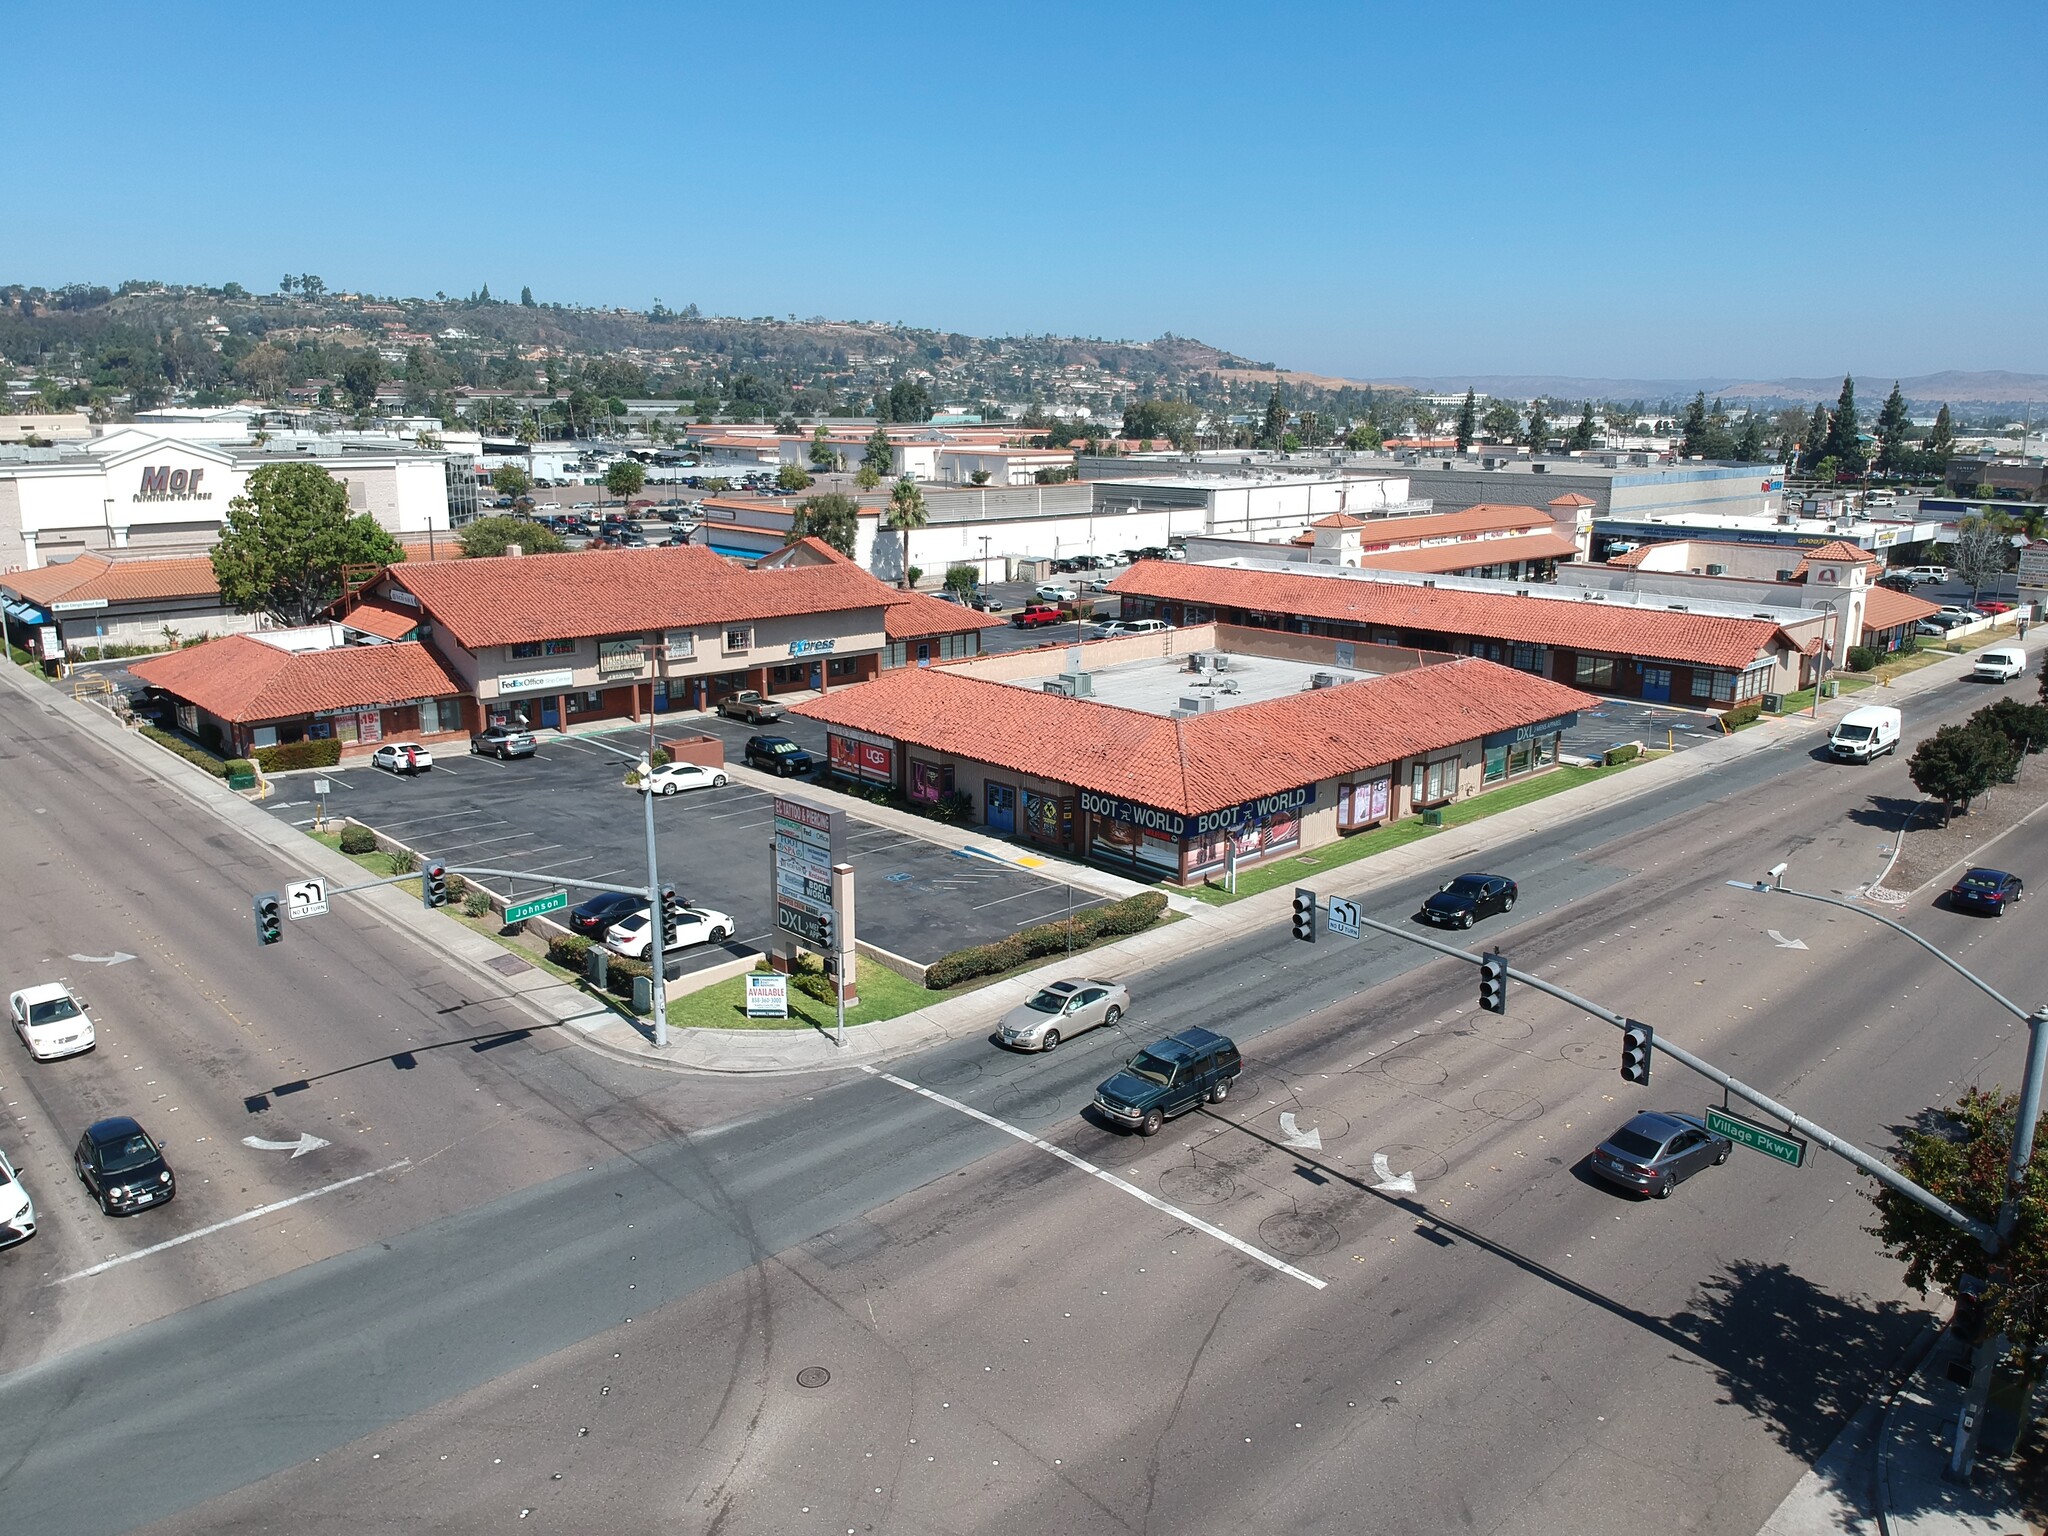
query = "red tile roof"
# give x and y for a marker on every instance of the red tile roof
(517, 598)
(1572, 499)
(1885, 609)
(240, 678)
(387, 621)
(1842, 549)
(1487, 517)
(1203, 762)
(1440, 559)
(1691, 639)
(116, 579)
(918, 616)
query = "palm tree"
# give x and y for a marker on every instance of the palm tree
(906, 511)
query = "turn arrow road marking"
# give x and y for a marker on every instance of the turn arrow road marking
(118, 957)
(1389, 1182)
(1310, 1140)
(307, 1142)
(1782, 942)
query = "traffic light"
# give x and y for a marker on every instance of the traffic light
(269, 919)
(1493, 982)
(671, 916)
(828, 939)
(1636, 1041)
(434, 885)
(1305, 914)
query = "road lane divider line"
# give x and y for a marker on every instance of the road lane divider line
(1157, 1204)
(221, 1226)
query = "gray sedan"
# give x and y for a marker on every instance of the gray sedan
(1061, 1011)
(1657, 1150)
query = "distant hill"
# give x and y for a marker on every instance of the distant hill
(1988, 387)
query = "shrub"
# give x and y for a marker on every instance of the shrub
(569, 950)
(198, 756)
(1861, 658)
(813, 984)
(620, 973)
(403, 861)
(1134, 914)
(355, 839)
(477, 903)
(1627, 752)
(240, 767)
(661, 758)
(288, 755)
(1742, 714)
(20, 657)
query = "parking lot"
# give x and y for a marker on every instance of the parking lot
(1614, 721)
(565, 814)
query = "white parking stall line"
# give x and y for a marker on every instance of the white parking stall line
(288, 805)
(485, 842)
(421, 821)
(1248, 1250)
(618, 751)
(233, 1221)
(998, 901)
(335, 783)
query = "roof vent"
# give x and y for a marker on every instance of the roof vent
(1057, 685)
(1197, 706)
(1537, 469)
(1323, 680)
(1717, 570)
(1197, 661)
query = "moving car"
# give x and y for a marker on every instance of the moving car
(671, 778)
(594, 916)
(1061, 1011)
(1462, 902)
(402, 757)
(1921, 574)
(1051, 592)
(17, 1211)
(1993, 606)
(1864, 734)
(503, 741)
(51, 1020)
(1034, 617)
(749, 706)
(1170, 1078)
(2000, 664)
(1989, 891)
(121, 1167)
(778, 755)
(634, 936)
(1657, 1151)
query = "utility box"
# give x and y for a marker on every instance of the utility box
(598, 967)
(643, 994)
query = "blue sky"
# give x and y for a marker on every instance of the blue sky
(1368, 190)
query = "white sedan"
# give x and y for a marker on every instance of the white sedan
(671, 778)
(633, 936)
(17, 1211)
(1053, 593)
(51, 1021)
(402, 757)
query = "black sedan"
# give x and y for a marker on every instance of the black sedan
(1656, 1152)
(1989, 891)
(593, 918)
(121, 1167)
(1463, 901)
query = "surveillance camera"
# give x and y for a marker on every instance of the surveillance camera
(1777, 871)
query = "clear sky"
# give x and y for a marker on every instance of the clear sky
(1369, 190)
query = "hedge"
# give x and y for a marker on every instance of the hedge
(20, 657)
(288, 755)
(1627, 752)
(1742, 714)
(358, 840)
(240, 768)
(571, 951)
(1862, 658)
(199, 757)
(1134, 914)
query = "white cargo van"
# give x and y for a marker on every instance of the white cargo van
(1865, 733)
(2000, 664)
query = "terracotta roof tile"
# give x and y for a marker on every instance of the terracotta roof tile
(1439, 559)
(1885, 609)
(1691, 639)
(115, 580)
(387, 621)
(1487, 517)
(242, 679)
(917, 616)
(1204, 762)
(1572, 499)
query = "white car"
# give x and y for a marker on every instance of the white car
(1115, 627)
(402, 757)
(51, 1021)
(633, 936)
(17, 1211)
(1051, 593)
(672, 777)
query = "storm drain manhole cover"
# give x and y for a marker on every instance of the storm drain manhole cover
(1414, 1071)
(1297, 1236)
(1506, 1104)
(508, 965)
(813, 1376)
(1196, 1186)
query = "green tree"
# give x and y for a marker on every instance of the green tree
(1815, 447)
(907, 400)
(867, 477)
(793, 477)
(1958, 763)
(833, 517)
(489, 536)
(511, 480)
(907, 512)
(1693, 427)
(1983, 548)
(529, 431)
(286, 539)
(1844, 445)
(1363, 437)
(1749, 448)
(822, 454)
(1502, 422)
(1582, 435)
(526, 299)
(1894, 451)
(1175, 420)
(718, 485)
(1941, 442)
(961, 579)
(1468, 421)
(2024, 726)
(980, 477)
(1273, 428)
(625, 478)
(1537, 433)
(878, 455)
(360, 376)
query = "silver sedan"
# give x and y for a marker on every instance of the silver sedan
(1061, 1011)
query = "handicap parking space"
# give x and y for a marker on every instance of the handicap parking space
(1612, 722)
(565, 815)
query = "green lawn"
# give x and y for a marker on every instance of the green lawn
(722, 1005)
(1797, 703)
(1363, 845)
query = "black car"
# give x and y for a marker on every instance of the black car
(1989, 891)
(1170, 1078)
(593, 917)
(1463, 901)
(778, 755)
(121, 1167)
(1657, 1151)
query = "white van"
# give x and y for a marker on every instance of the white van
(2000, 664)
(1866, 733)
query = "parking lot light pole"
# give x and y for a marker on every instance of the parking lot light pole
(660, 987)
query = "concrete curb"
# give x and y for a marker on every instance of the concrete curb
(1918, 1355)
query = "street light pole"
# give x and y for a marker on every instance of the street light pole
(660, 987)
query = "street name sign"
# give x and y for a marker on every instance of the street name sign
(1344, 917)
(1758, 1138)
(519, 911)
(305, 898)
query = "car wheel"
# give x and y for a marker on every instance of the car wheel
(1113, 1015)
(1663, 1191)
(1220, 1091)
(1721, 1156)
(474, 749)
(717, 936)
(1149, 1126)
(106, 1206)
(1467, 922)
(1508, 905)
(1051, 1042)
(718, 781)
(668, 789)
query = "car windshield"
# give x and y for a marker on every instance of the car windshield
(1151, 1068)
(53, 1011)
(1466, 885)
(1049, 1001)
(1634, 1143)
(1851, 732)
(129, 1153)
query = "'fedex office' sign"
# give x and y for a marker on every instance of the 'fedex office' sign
(160, 482)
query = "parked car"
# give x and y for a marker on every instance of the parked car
(503, 741)
(1657, 1151)
(1989, 891)
(1462, 902)
(121, 1167)
(1170, 1078)
(1994, 606)
(2000, 664)
(1037, 616)
(1115, 627)
(1062, 1010)
(593, 917)
(52, 1021)
(633, 937)
(402, 757)
(673, 778)
(1920, 575)
(1935, 626)
(985, 603)
(17, 1211)
(749, 706)
(1960, 612)
(1898, 581)
(778, 755)
(1051, 592)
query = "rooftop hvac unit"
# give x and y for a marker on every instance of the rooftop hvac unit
(1057, 685)
(1197, 661)
(1717, 570)
(1195, 706)
(1079, 685)
(1323, 680)
(1222, 663)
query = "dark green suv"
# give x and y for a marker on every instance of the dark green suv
(1170, 1078)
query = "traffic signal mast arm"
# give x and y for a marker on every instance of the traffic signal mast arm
(1886, 1175)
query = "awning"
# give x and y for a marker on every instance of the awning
(27, 613)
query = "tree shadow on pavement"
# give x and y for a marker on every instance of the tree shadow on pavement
(1893, 813)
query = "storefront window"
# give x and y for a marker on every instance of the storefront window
(1596, 672)
(1432, 783)
(584, 702)
(1496, 764)
(739, 640)
(1546, 750)
(1532, 658)
(1362, 804)
(430, 717)
(1518, 758)
(930, 782)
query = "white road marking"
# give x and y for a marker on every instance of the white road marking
(1389, 1183)
(1310, 1140)
(232, 1221)
(307, 1142)
(421, 821)
(118, 957)
(1087, 1167)
(1782, 942)
(998, 901)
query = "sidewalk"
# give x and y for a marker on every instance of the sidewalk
(1914, 1495)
